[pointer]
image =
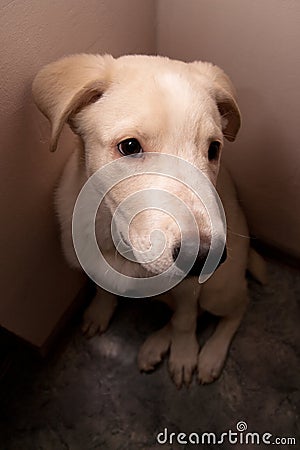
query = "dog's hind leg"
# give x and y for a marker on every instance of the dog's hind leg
(98, 314)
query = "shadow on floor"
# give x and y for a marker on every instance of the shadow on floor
(90, 394)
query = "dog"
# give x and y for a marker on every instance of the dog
(126, 107)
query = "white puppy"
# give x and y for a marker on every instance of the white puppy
(134, 105)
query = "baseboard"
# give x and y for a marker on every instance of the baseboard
(11, 345)
(77, 307)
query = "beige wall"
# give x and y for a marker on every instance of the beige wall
(257, 43)
(36, 284)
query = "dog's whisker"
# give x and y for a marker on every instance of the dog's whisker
(238, 234)
(225, 114)
(229, 136)
(117, 250)
(117, 253)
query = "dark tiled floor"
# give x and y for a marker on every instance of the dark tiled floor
(90, 394)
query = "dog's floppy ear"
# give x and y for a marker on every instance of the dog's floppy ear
(62, 88)
(224, 94)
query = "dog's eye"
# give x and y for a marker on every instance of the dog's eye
(214, 151)
(130, 146)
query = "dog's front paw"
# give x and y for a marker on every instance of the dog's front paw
(210, 362)
(183, 359)
(97, 316)
(154, 349)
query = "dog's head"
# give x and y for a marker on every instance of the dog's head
(134, 105)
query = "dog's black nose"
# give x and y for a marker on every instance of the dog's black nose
(185, 259)
(198, 264)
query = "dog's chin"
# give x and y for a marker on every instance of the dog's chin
(165, 270)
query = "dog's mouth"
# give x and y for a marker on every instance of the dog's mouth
(124, 248)
(182, 264)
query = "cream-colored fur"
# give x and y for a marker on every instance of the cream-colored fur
(170, 107)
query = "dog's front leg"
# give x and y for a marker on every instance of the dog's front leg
(98, 314)
(212, 357)
(157, 344)
(184, 346)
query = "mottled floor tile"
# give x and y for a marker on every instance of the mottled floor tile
(90, 394)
